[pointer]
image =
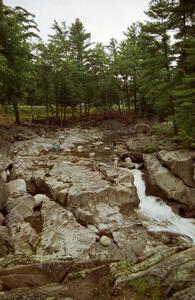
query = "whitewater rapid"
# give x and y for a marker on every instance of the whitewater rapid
(160, 216)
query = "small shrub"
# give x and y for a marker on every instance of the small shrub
(183, 137)
(123, 266)
(76, 275)
(139, 285)
(164, 129)
(149, 148)
(103, 290)
(147, 288)
(193, 145)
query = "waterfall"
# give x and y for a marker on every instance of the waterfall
(160, 216)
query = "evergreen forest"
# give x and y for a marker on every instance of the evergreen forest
(151, 72)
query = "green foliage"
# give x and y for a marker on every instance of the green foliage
(184, 137)
(25, 111)
(76, 275)
(150, 288)
(15, 47)
(103, 290)
(123, 266)
(184, 90)
(164, 129)
(149, 148)
(139, 285)
(146, 71)
(156, 67)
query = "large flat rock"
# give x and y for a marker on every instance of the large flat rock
(164, 275)
(62, 234)
(24, 236)
(167, 183)
(181, 164)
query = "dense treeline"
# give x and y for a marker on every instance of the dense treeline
(152, 71)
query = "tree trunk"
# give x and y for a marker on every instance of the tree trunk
(86, 108)
(135, 95)
(107, 108)
(32, 112)
(47, 113)
(169, 80)
(127, 97)
(73, 113)
(64, 113)
(61, 116)
(16, 111)
(57, 111)
(119, 108)
(80, 110)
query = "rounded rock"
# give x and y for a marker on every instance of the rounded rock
(105, 241)
(16, 187)
(92, 154)
(92, 228)
(80, 148)
(107, 148)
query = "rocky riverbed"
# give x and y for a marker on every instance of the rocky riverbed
(75, 220)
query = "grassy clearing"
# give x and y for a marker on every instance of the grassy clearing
(146, 288)
(7, 113)
(40, 115)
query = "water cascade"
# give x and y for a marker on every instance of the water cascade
(158, 215)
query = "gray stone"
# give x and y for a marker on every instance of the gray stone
(80, 148)
(142, 128)
(24, 236)
(16, 187)
(84, 217)
(105, 241)
(3, 196)
(92, 154)
(62, 234)
(106, 148)
(168, 184)
(180, 163)
(170, 269)
(5, 241)
(92, 228)
(129, 163)
(79, 187)
(39, 198)
(1, 218)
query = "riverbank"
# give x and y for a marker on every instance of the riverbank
(74, 207)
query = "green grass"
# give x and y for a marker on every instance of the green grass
(149, 148)
(103, 290)
(7, 112)
(123, 266)
(96, 113)
(165, 129)
(139, 285)
(147, 288)
(76, 275)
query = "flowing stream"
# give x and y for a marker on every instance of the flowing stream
(159, 215)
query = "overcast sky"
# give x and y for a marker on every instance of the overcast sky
(103, 18)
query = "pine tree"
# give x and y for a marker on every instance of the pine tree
(183, 16)
(3, 61)
(18, 29)
(157, 59)
(130, 64)
(79, 41)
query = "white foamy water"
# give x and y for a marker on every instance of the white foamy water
(160, 216)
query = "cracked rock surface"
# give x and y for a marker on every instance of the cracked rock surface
(69, 227)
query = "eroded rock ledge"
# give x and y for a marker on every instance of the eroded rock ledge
(168, 274)
(69, 227)
(164, 183)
